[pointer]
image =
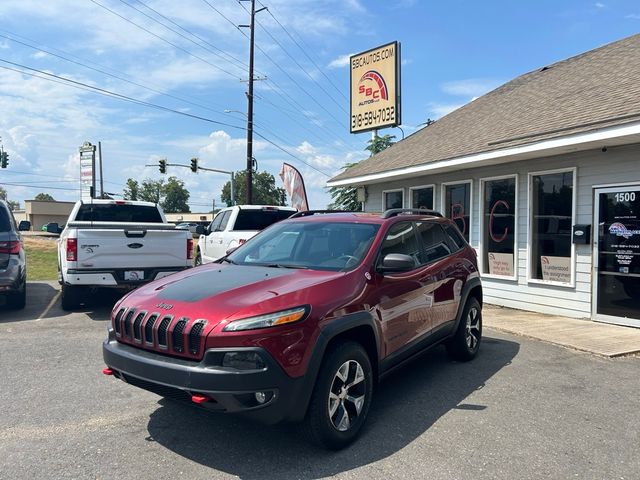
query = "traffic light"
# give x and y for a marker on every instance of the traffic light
(4, 159)
(163, 166)
(194, 165)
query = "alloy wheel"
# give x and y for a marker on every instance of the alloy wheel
(346, 395)
(473, 326)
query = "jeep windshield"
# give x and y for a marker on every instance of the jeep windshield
(334, 246)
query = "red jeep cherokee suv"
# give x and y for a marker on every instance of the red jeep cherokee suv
(303, 320)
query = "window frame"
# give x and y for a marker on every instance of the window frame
(420, 187)
(515, 232)
(443, 197)
(384, 192)
(574, 198)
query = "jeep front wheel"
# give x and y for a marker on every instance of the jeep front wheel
(465, 343)
(342, 396)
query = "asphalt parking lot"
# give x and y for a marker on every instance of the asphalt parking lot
(523, 409)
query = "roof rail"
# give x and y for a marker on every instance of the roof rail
(308, 213)
(408, 211)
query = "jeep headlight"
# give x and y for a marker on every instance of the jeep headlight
(269, 320)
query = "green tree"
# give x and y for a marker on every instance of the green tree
(265, 191)
(346, 198)
(175, 196)
(44, 197)
(151, 190)
(13, 205)
(132, 190)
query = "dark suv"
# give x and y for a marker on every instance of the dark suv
(304, 319)
(13, 261)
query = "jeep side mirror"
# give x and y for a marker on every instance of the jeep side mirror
(397, 262)
(24, 226)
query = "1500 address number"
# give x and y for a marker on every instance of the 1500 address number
(373, 117)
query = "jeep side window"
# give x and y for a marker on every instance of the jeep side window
(401, 238)
(434, 242)
(455, 237)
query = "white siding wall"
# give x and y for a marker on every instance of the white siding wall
(618, 165)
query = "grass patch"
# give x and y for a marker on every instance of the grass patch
(42, 258)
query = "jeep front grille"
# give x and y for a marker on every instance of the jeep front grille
(195, 337)
(153, 331)
(137, 327)
(162, 331)
(148, 328)
(177, 337)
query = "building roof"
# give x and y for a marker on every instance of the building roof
(588, 92)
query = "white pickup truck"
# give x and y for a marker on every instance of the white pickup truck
(232, 226)
(118, 244)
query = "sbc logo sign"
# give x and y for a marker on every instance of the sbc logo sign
(372, 87)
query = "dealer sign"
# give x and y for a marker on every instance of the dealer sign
(375, 88)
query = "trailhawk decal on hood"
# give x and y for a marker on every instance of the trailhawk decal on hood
(210, 282)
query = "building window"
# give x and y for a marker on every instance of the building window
(552, 205)
(499, 226)
(392, 199)
(457, 206)
(422, 197)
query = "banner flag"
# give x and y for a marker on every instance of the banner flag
(294, 185)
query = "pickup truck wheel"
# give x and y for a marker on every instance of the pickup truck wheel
(71, 297)
(342, 396)
(465, 343)
(18, 300)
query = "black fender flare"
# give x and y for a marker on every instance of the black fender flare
(470, 284)
(335, 328)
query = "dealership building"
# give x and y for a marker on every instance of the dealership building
(542, 176)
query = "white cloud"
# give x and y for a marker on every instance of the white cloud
(38, 55)
(472, 87)
(599, 5)
(441, 109)
(633, 16)
(340, 62)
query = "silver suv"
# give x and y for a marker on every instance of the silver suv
(13, 260)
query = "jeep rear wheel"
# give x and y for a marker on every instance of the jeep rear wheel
(465, 343)
(342, 396)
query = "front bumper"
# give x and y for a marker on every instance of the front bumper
(229, 390)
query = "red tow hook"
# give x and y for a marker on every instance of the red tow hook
(196, 398)
(107, 371)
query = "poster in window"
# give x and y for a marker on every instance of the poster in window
(458, 206)
(498, 242)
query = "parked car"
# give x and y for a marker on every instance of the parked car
(232, 226)
(303, 321)
(13, 260)
(191, 226)
(118, 244)
(52, 227)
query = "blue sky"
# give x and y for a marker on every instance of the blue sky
(452, 52)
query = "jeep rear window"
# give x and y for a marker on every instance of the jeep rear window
(5, 223)
(118, 213)
(259, 219)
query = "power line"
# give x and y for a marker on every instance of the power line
(165, 40)
(41, 187)
(291, 154)
(307, 55)
(302, 68)
(291, 78)
(108, 93)
(159, 92)
(234, 61)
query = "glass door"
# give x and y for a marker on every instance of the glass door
(616, 262)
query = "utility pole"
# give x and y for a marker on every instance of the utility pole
(251, 26)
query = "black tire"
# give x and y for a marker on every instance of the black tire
(18, 300)
(337, 429)
(71, 297)
(465, 343)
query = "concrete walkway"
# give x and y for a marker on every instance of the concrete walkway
(586, 335)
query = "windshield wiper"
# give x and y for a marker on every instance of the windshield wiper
(225, 259)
